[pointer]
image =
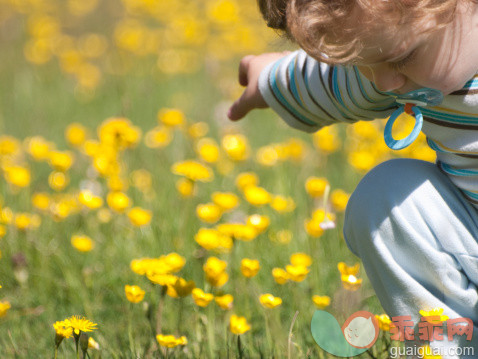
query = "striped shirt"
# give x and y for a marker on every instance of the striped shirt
(309, 95)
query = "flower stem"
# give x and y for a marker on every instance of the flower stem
(239, 346)
(159, 314)
(290, 334)
(56, 352)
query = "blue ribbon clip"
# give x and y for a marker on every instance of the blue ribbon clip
(409, 102)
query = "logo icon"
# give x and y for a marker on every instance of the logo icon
(359, 332)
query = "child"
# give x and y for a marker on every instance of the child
(414, 224)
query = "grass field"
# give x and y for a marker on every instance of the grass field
(47, 85)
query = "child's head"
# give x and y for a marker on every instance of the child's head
(373, 32)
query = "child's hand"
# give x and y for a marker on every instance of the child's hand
(250, 68)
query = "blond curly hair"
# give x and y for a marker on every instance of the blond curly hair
(323, 28)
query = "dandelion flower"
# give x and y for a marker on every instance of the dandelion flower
(238, 325)
(297, 273)
(384, 322)
(193, 170)
(434, 316)
(321, 301)
(134, 293)
(351, 282)
(250, 267)
(269, 301)
(170, 341)
(4, 307)
(63, 329)
(82, 243)
(280, 275)
(201, 298)
(300, 259)
(80, 324)
(224, 301)
(139, 216)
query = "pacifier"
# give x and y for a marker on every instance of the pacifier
(409, 103)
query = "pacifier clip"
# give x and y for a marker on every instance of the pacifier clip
(409, 103)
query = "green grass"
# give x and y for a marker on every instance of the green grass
(63, 282)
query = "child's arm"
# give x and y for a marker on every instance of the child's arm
(308, 94)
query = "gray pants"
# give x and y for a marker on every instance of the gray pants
(417, 237)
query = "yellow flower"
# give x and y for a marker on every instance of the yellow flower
(4, 307)
(435, 312)
(339, 199)
(38, 147)
(61, 161)
(139, 216)
(200, 298)
(193, 170)
(225, 200)
(58, 180)
(41, 200)
(82, 243)
(209, 212)
(238, 325)
(198, 129)
(351, 282)
(300, 259)
(327, 139)
(280, 275)
(23, 221)
(313, 227)
(119, 133)
(236, 147)
(315, 186)
(250, 267)
(118, 201)
(260, 223)
(215, 270)
(257, 196)
(185, 187)
(180, 287)
(158, 137)
(161, 278)
(212, 239)
(134, 293)
(225, 301)
(171, 117)
(321, 301)
(267, 155)
(87, 198)
(80, 324)
(246, 179)
(297, 273)
(8, 145)
(76, 134)
(238, 231)
(282, 204)
(384, 322)
(17, 175)
(269, 301)
(344, 269)
(92, 344)
(170, 341)
(208, 150)
(319, 215)
(62, 330)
